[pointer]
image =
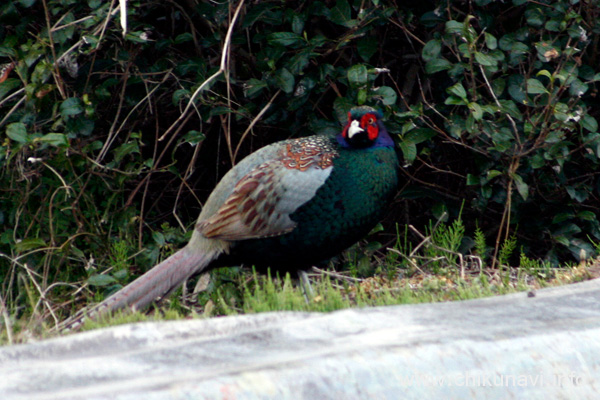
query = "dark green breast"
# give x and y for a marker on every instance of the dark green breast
(350, 203)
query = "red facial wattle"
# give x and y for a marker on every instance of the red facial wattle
(345, 131)
(368, 122)
(373, 132)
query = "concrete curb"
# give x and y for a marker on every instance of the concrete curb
(506, 347)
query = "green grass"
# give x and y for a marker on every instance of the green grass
(438, 268)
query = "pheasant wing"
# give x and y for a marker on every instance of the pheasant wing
(262, 201)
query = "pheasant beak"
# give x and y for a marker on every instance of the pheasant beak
(354, 128)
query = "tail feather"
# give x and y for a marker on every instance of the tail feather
(158, 282)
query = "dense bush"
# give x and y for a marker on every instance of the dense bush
(105, 161)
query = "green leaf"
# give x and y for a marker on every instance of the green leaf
(284, 38)
(194, 137)
(515, 89)
(361, 96)
(546, 73)
(534, 16)
(8, 86)
(554, 26)
(586, 215)
(561, 111)
(419, 135)
(519, 48)
(509, 107)
(159, 238)
(455, 101)
(432, 50)
(298, 62)
(17, 131)
(506, 42)
(357, 75)
(253, 87)
(566, 75)
(100, 280)
(367, 47)
(490, 41)
(122, 274)
(561, 239)
(432, 18)
(297, 24)
(386, 94)
(485, 60)
(492, 173)
(29, 244)
(578, 88)
(522, 187)
(409, 150)
(473, 180)
(71, 106)
(341, 14)
(437, 65)
(219, 110)
(407, 127)
(589, 123)
(534, 86)
(537, 161)
(341, 106)
(184, 37)
(569, 229)
(125, 149)
(454, 27)
(285, 80)
(79, 126)
(55, 139)
(457, 90)
(562, 217)
(498, 86)
(476, 111)
(578, 195)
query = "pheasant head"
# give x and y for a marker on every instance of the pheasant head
(364, 129)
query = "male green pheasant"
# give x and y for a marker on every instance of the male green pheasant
(288, 205)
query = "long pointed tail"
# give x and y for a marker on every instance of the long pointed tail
(158, 282)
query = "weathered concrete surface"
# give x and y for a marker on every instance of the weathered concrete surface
(509, 347)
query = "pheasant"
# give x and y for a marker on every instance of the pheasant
(288, 205)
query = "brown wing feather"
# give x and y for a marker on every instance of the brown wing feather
(249, 212)
(262, 200)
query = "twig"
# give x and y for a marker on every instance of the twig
(112, 132)
(42, 293)
(221, 69)
(426, 240)
(407, 258)
(189, 171)
(254, 121)
(9, 97)
(56, 72)
(507, 208)
(7, 321)
(154, 169)
(12, 110)
(336, 275)
(487, 83)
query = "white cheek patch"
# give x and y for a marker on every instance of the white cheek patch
(354, 129)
